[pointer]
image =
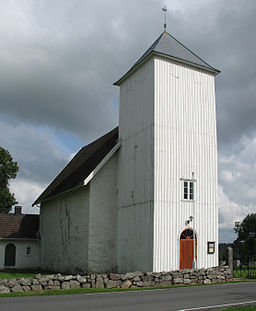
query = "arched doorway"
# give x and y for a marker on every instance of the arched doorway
(186, 249)
(10, 254)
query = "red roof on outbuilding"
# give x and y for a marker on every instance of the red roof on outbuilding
(19, 226)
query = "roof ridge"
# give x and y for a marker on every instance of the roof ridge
(188, 49)
(80, 166)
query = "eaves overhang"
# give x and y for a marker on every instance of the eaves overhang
(177, 60)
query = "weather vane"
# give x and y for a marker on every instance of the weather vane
(165, 10)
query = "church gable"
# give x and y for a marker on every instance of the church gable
(80, 167)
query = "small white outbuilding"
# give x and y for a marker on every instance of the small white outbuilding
(19, 240)
(143, 196)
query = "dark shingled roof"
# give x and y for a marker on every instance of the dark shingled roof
(167, 45)
(83, 163)
(19, 226)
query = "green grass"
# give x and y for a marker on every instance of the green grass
(241, 308)
(11, 274)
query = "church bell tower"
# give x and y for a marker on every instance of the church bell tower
(167, 213)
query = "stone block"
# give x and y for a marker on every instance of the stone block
(166, 277)
(187, 281)
(57, 276)
(99, 282)
(11, 283)
(157, 275)
(65, 285)
(114, 276)
(124, 277)
(146, 278)
(207, 281)
(36, 287)
(26, 288)
(35, 282)
(113, 284)
(131, 275)
(4, 290)
(126, 284)
(176, 275)
(148, 283)
(74, 284)
(86, 285)
(178, 281)
(44, 281)
(17, 288)
(81, 279)
(68, 277)
(139, 284)
(24, 282)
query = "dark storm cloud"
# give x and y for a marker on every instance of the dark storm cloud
(224, 35)
(39, 155)
(59, 62)
(59, 59)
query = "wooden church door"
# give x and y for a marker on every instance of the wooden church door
(10, 254)
(186, 249)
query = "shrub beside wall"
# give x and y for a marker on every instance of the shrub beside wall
(113, 280)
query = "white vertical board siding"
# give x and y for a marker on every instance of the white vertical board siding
(102, 218)
(184, 142)
(135, 173)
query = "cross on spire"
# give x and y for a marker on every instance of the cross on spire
(165, 10)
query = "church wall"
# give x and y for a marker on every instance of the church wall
(185, 142)
(135, 173)
(102, 218)
(64, 231)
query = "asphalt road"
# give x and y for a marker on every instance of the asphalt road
(167, 299)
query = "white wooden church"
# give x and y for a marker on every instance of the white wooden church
(143, 196)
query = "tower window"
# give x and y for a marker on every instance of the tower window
(188, 190)
(28, 251)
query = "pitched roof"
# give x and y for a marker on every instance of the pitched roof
(83, 163)
(19, 226)
(167, 45)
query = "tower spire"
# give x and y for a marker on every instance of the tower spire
(165, 10)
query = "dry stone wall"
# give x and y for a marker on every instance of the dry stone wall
(113, 280)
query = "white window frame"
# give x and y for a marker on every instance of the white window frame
(189, 185)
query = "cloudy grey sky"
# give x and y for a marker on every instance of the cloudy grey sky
(58, 60)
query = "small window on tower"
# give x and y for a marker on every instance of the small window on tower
(28, 251)
(188, 190)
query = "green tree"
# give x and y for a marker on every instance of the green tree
(8, 170)
(245, 244)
